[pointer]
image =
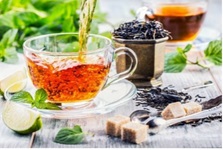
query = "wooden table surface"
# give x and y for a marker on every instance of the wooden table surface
(206, 135)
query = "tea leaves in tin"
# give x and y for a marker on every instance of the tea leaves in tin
(141, 30)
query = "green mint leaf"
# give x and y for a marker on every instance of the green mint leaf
(77, 129)
(5, 6)
(7, 19)
(24, 19)
(187, 48)
(28, 18)
(174, 62)
(68, 25)
(213, 52)
(40, 95)
(45, 105)
(180, 50)
(11, 55)
(8, 52)
(23, 97)
(70, 136)
(40, 101)
(9, 37)
(3, 30)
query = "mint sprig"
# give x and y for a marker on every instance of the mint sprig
(178, 60)
(73, 135)
(174, 62)
(39, 101)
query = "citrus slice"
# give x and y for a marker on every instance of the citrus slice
(21, 119)
(12, 79)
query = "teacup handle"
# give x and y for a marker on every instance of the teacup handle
(127, 73)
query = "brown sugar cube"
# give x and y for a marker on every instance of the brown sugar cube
(192, 107)
(134, 132)
(173, 110)
(113, 125)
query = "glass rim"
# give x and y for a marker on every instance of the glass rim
(28, 48)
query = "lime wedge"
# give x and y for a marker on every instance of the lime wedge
(20, 119)
(11, 79)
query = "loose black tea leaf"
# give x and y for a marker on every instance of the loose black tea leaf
(141, 30)
(159, 98)
(212, 102)
(198, 96)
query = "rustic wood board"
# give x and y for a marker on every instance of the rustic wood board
(207, 135)
(216, 73)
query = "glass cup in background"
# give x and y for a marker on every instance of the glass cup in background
(183, 18)
(53, 65)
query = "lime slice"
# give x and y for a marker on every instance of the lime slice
(11, 79)
(21, 119)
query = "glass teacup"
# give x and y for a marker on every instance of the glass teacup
(54, 65)
(183, 18)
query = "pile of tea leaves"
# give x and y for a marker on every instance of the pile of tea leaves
(141, 30)
(159, 98)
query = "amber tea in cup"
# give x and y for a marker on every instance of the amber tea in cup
(53, 64)
(85, 79)
(183, 18)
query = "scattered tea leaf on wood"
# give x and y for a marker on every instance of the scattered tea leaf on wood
(141, 30)
(159, 98)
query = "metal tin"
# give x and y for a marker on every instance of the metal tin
(150, 55)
